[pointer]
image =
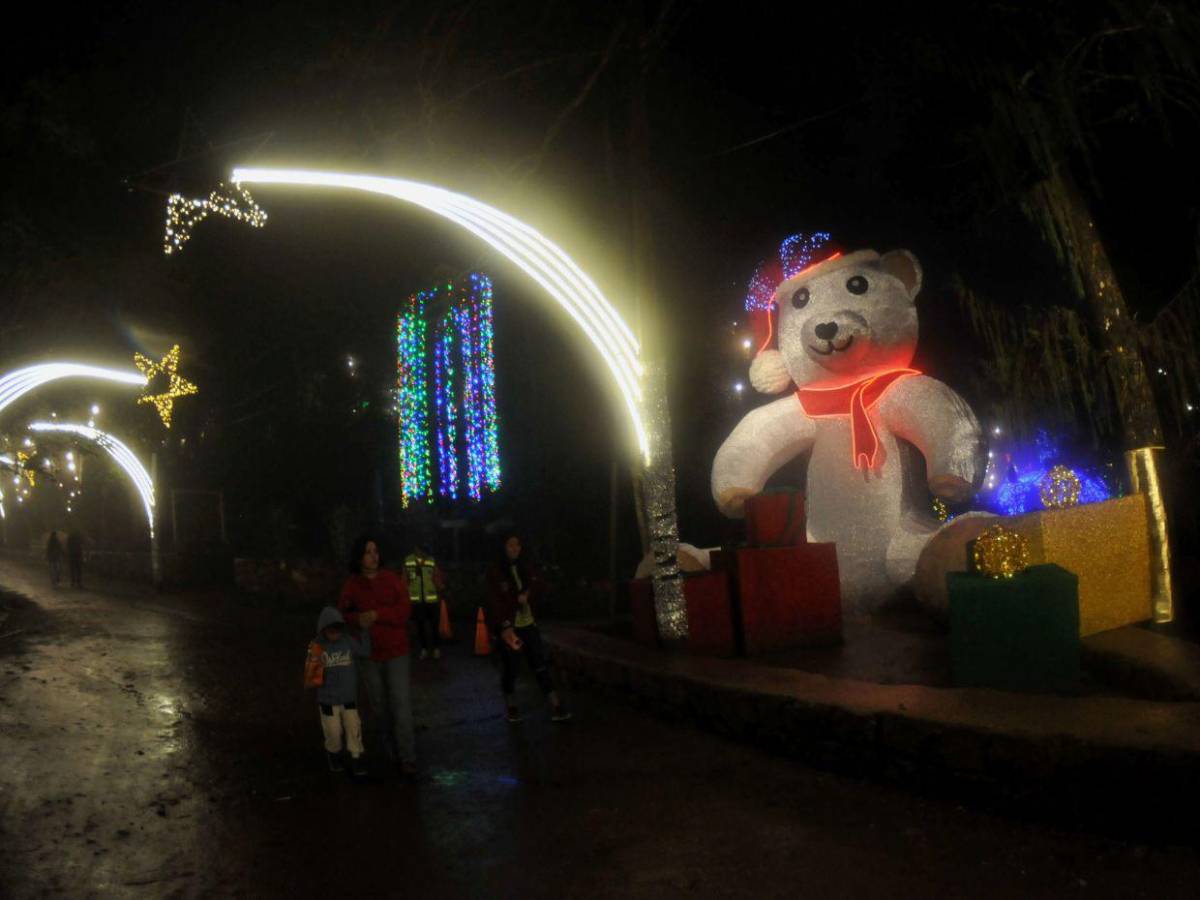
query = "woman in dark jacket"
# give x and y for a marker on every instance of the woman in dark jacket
(513, 592)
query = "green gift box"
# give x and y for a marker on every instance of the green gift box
(1015, 634)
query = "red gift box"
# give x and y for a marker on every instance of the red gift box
(776, 519)
(710, 614)
(709, 611)
(788, 597)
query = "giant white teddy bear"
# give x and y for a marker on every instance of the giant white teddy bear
(847, 332)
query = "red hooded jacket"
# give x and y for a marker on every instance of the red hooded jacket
(387, 595)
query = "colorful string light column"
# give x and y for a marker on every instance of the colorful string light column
(412, 384)
(485, 350)
(458, 362)
(479, 374)
(447, 410)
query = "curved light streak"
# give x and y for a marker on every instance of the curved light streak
(16, 384)
(120, 454)
(544, 261)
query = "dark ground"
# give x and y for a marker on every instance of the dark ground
(162, 746)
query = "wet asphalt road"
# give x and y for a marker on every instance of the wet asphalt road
(162, 746)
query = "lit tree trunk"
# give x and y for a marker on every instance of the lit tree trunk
(659, 489)
(658, 481)
(1066, 219)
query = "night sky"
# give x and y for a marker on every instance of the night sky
(759, 123)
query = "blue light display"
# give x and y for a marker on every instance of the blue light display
(796, 253)
(800, 251)
(1012, 485)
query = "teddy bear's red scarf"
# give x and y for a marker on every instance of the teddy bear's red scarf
(853, 400)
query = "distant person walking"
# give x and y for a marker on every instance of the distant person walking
(75, 558)
(513, 592)
(426, 584)
(376, 599)
(54, 556)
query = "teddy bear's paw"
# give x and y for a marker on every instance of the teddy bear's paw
(768, 373)
(732, 501)
(951, 487)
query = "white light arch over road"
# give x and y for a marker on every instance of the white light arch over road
(544, 261)
(16, 384)
(120, 454)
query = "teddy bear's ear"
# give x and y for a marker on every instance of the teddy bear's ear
(768, 373)
(903, 265)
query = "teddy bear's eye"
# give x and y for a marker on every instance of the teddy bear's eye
(800, 298)
(857, 285)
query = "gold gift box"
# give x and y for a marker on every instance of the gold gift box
(1108, 546)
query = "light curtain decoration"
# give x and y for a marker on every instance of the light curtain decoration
(446, 380)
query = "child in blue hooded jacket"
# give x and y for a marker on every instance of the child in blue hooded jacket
(337, 691)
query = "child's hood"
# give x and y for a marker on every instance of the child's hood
(329, 616)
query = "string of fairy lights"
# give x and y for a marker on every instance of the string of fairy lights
(411, 382)
(447, 409)
(184, 214)
(796, 253)
(460, 357)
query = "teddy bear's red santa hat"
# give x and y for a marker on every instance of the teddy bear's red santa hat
(799, 254)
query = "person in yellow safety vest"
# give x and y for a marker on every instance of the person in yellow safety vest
(425, 584)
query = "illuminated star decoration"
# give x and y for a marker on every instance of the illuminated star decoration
(176, 386)
(233, 202)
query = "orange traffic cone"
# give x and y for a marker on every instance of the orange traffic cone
(483, 643)
(445, 632)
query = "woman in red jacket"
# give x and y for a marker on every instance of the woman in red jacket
(377, 599)
(513, 589)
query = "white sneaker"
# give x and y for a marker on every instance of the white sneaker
(437, 653)
(424, 654)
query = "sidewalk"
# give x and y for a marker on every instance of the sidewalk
(1016, 749)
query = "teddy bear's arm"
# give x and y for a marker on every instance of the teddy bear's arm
(939, 423)
(764, 440)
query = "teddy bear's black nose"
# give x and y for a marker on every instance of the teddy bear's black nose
(826, 331)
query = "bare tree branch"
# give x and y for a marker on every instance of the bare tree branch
(578, 100)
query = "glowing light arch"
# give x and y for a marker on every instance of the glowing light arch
(120, 454)
(544, 261)
(16, 384)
